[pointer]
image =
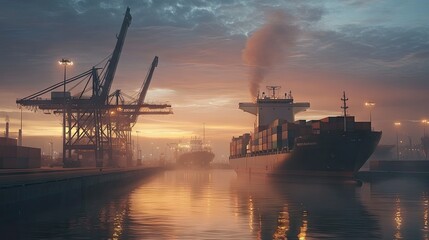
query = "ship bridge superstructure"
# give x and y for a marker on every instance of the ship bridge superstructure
(269, 107)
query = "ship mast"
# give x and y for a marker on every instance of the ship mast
(344, 107)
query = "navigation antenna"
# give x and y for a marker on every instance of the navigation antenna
(344, 107)
(273, 89)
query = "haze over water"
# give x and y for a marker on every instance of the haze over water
(215, 204)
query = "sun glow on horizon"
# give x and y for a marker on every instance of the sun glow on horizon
(164, 130)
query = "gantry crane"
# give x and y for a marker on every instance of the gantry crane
(123, 115)
(97, 126)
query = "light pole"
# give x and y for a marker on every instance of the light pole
(65, 63)
(397, 125)
(370, 105)
(425, 122)
(51, 144)
(20, 130)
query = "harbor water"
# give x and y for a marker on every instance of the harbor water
(216, 204)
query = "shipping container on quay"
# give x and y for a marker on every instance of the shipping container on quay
(13, 156)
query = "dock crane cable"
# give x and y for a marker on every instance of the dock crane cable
(53, 87)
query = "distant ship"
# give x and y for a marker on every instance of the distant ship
(331, 147)
(195, 154)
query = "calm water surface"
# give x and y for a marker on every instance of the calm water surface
(215, 204)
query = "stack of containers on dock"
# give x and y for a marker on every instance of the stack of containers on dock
(14, 156)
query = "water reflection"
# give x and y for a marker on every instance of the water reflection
(282, 224)
(425, 215)
(294, 210)
(398, 219)
(303, 232)
(190, 205)
(401, 205)
(98, 214)
(215, 204)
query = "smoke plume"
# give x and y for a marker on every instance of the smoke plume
(268, 46)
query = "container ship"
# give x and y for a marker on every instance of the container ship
(330, 147)
(195, 154)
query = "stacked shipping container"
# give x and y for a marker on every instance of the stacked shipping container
(280, 135)
(239, 145)
(13, 156)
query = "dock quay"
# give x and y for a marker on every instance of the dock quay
(386, 169)
(372, 176)
(46, 185)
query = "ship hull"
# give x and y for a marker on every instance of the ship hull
(196, 159)
(330, 155)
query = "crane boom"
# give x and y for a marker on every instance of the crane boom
(147, 81)
(144, 88)
(113, 62)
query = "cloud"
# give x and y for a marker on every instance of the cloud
(83, 30)
(359, 3)
(388, 54)
(209, 103)
(155, 93)
(309, 13)
(418, 56)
